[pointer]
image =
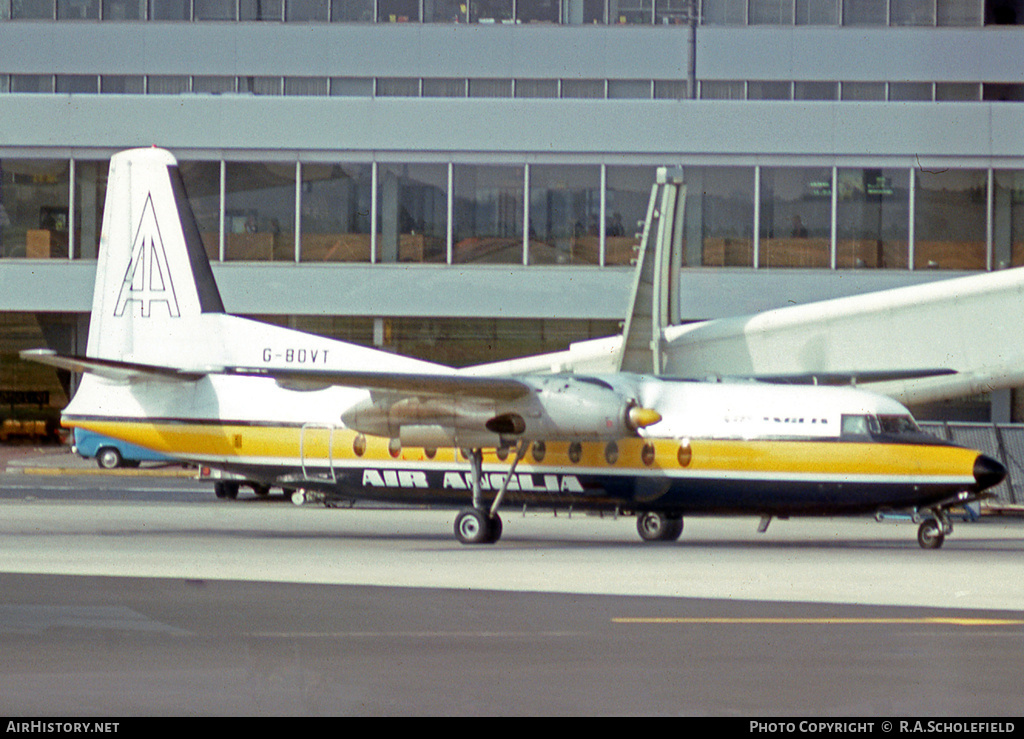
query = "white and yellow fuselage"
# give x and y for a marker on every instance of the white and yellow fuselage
(720, 448)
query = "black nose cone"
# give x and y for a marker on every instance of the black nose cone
(988, 472)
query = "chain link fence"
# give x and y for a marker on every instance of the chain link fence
(1004, 442)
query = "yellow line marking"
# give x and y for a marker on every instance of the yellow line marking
(827, 620)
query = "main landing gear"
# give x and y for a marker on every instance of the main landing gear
(474, 526)
(480, 524)
(655, 526)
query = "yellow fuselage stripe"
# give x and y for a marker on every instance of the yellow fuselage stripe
(318, 445)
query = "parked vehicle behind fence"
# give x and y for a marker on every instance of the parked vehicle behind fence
(111, 453)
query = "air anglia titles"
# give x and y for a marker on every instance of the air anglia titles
(453, 480)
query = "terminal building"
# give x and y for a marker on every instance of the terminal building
(462, 180)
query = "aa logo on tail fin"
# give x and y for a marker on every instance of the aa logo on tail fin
(148, 278)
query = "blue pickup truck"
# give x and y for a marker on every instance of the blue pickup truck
(112, 453)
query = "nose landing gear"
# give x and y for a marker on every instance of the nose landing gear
(932, 531)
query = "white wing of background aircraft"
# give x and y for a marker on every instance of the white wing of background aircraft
(168, 369)
(947, 339)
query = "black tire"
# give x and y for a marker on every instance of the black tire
(930, 535)
(654, 526)
(227, 490)
(476, 527)
(108, 458)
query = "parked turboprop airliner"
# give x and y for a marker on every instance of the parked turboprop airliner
(168, 369)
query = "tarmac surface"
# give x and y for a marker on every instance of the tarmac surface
(139, 593)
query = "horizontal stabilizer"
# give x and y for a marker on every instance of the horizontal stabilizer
(457, 385)
(851, 378)
(111, 369)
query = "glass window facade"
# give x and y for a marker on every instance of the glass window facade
(795, 217)
(124, 10)
(90, 193)
(32, 9)
(412, 212)
(202, 185)
(444, 88)
(771, 12)
(592, 89)
(817, 12)
(445, 11)
(627, 193)
(214, 10)
(538, 11)
(261, 10)
(1008, 218)
(912, 12)
(398, 11)
(543, 214)
(769, 90)
(34, 209)
(864, 12)
(724, 218)
(872, 218)
(31, 83)
(950, 219)
(565, 212)
(725, 12)
(259, 211)
(78, 10)
(336, 207)
(630, 12)
(574, 88)
(122, 84)
(487, 214)
(490, 11)
(532, 88)
(962, 13)
(490, 88)
(304, 11)
(170, 10)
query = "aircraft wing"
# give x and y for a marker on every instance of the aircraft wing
(402, 383)
(851, 378)
(968, 325)
(111, 369)
(435, 409)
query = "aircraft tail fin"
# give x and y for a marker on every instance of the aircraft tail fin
(152, 272)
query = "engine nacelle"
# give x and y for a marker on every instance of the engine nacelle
(584, 409)
(560, 408)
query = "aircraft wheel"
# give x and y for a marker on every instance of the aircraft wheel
(227, 490)
(929, 535)
(261, 490)
(654, 526)
(109, 458)
(299, 497)
(476, 527)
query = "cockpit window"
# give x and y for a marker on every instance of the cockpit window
(869, 425)
(855, 425)
(893, 424)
